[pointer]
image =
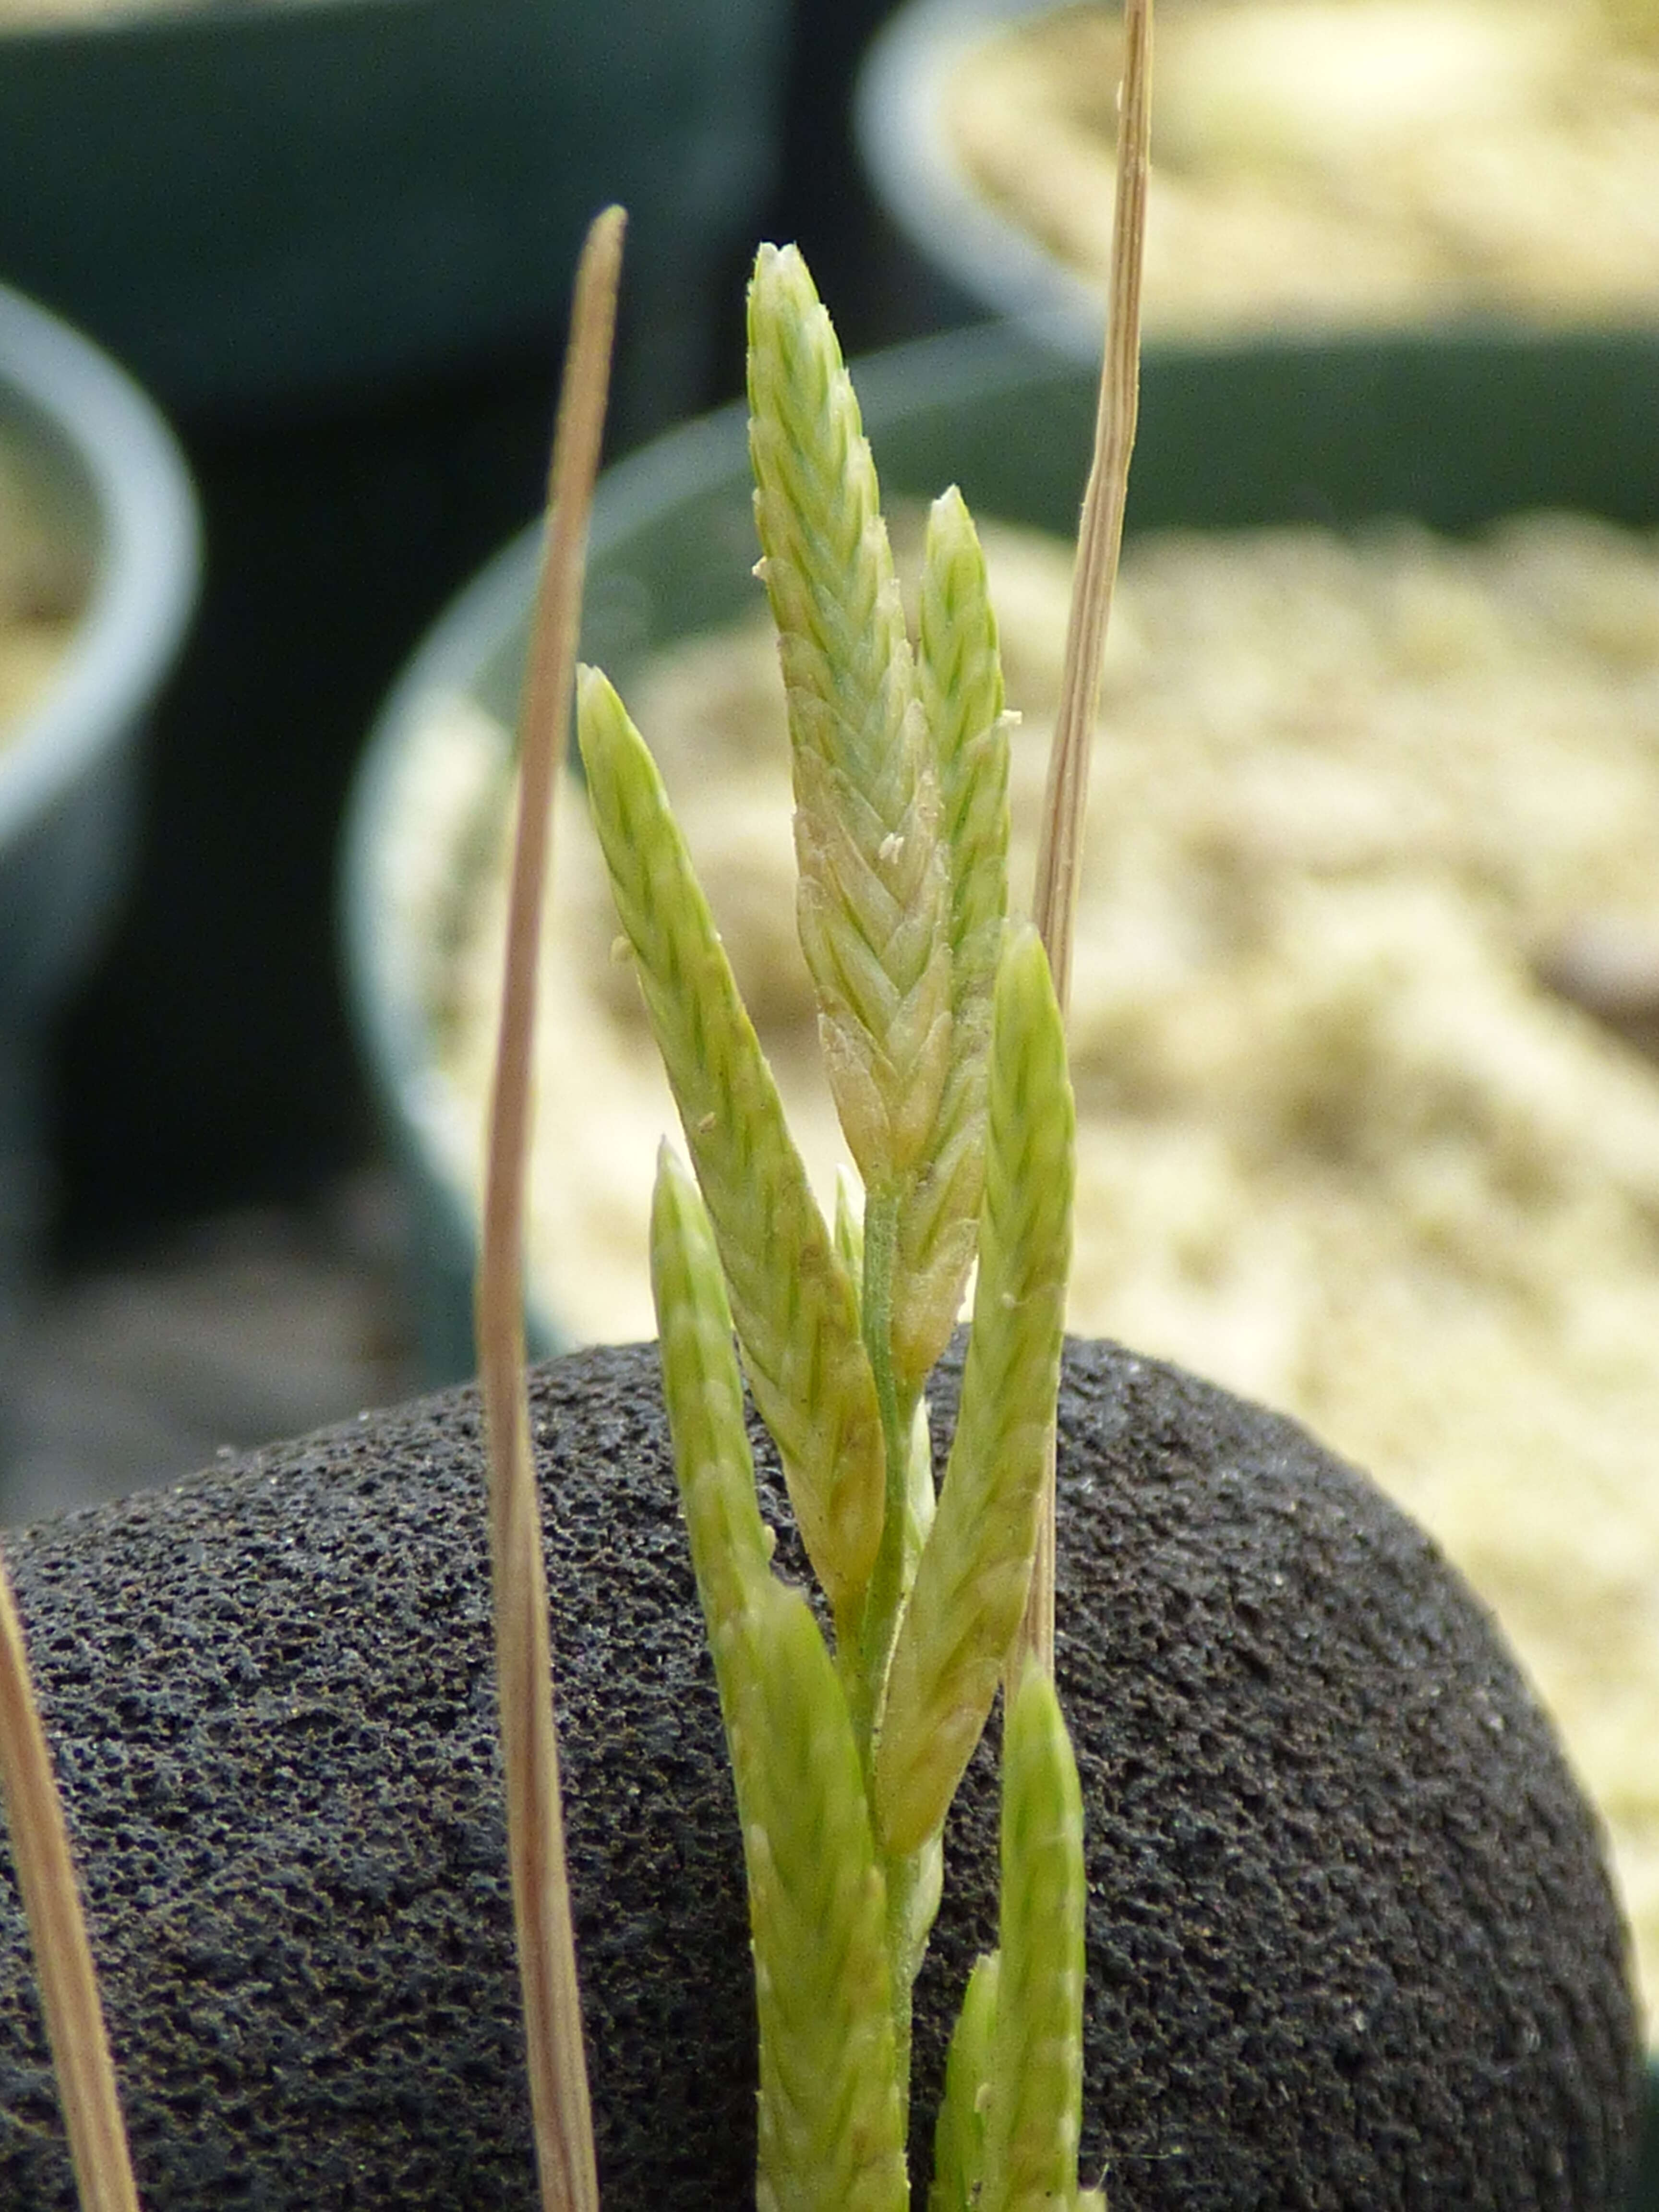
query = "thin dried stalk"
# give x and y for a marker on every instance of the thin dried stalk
(1101, 533)
(557, 2066)
(63, 1956)
(1100, 539)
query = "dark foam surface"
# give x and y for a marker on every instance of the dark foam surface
(1350, 1942)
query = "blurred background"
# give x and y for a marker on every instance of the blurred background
(331, 241)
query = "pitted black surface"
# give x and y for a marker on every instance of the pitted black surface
(1351, 1943)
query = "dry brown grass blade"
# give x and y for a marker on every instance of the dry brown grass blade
(63, 1956)
(541, 1895)
(1100, 539)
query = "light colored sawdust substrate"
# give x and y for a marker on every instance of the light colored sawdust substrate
(1340, 161)
(1339, 1146)
(43, 587)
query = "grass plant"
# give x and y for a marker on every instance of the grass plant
(848, 1729)
(943, 1043)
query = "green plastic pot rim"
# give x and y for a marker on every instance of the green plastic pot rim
(59, 392)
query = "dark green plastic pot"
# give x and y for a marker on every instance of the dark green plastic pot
(258, 201)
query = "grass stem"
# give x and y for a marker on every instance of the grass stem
(63, 1956)
(1100, 539)
(560, 2107)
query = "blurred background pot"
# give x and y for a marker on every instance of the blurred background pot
(981, 262)
(1318, 164)
(104, 475)
(336, 237)
(1455, 433)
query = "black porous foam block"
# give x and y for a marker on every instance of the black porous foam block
(1351, 1940)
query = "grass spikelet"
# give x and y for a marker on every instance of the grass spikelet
(831, 2114)
(873, 898)
(959, 2132)
(971, 1581)
(830, 2124)
(704, 1396)
(959, 683)
(1035, 2074)
(959, 677)
(794, 1308)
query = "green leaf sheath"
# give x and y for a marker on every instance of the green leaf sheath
(959, 682)
(874, 892)
(972, 1578)
(830, 2121)
(730, 1551)
(1036, 2104)
(959, 2131)
(794, 1308)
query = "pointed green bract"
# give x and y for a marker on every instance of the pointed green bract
(974, 1568)
(830, 2123)
(794, 1308)
(849, 1227)
(1034, 2110)
(959, 683)
(874, 894)
(703, 1393)
(959, 2131)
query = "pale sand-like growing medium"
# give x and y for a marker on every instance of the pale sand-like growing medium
(1340, 161)
(1340, 1147)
